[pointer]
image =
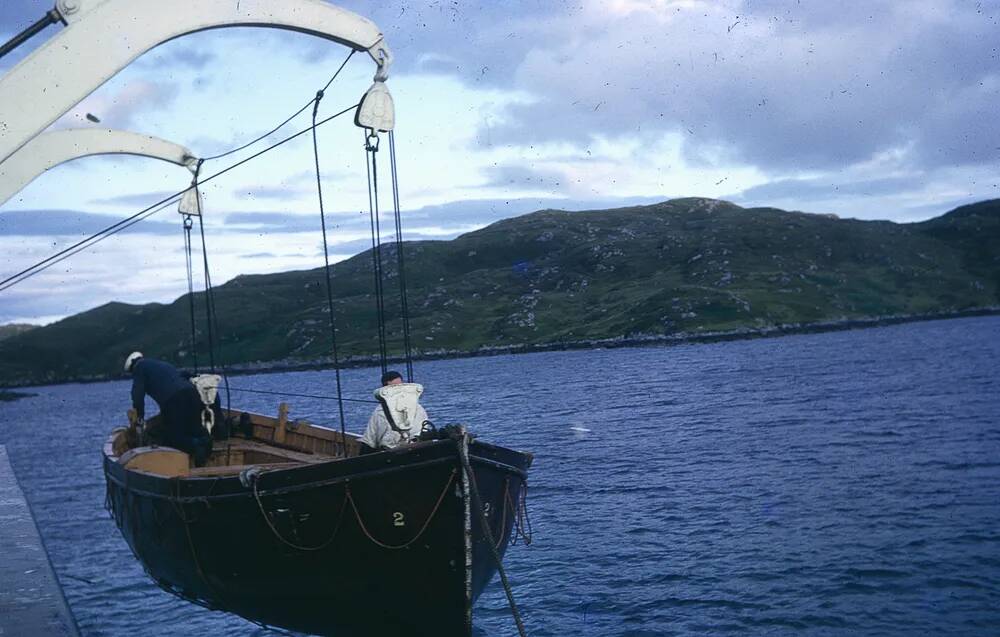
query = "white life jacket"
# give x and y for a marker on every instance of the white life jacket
(208, 387)
(399, 404)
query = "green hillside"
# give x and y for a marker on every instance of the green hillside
(685, 266)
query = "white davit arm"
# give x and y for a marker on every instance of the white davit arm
(56, 147)
(104, 36)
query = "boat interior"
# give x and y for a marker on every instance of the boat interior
(273, 443)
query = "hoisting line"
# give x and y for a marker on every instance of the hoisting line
(51, 17)
(211, 316)
(207, 275)
(404, 307)
(463, 454)
(118, 226)
(371, 168)
(189, 264)
(326, 266)
(295, 395)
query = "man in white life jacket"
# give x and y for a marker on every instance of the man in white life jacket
(398, 418)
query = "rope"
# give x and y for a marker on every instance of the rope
(290, 118)
(211, 317)
(404, 306)
(178, 505)
(521, 520)
(277, 534)
(326, 267)
(463, 454)
(189, 266)
(373, 214)
(194, 554)
(503, 513)
(364, 529)
(282, 393)
(208, 282)
(118, 226)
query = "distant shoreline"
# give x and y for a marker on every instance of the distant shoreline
(246, 369)
(11, 396)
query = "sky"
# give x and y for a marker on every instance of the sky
(866, 109)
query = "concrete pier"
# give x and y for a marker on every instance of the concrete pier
(31, 600)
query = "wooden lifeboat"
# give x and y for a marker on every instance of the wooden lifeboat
(288, 526)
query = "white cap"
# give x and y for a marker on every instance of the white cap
(130, 361)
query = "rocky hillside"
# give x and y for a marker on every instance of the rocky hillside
(682, 266)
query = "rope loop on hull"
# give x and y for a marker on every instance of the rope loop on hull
(427, 523)
(251, 480)
(299, 547)
(522, 523)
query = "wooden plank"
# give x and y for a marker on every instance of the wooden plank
(207, 472)
(245, 446)
(303, 435)
(282, 425)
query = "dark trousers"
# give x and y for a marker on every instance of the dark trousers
(182, 428)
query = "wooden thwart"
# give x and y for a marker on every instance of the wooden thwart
(276, 443)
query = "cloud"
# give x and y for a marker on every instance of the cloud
(124, 108)
(135, 200)
(478, 43)
(779, 84)
(279, 193)
(29, 223)
(477, 213)
(271, 222)
(821, 188)
(357, 246)
(337, 223)
(179, 57)
(112, 270)
(431, 222)
(783, 90)
(517, 177)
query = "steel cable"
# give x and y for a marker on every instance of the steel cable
(403, 303)
(326, 269)
(371, 168)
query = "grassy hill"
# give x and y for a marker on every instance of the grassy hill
(684, 266)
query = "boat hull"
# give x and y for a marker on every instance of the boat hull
(368, 545)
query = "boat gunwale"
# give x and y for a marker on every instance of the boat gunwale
(169, 487)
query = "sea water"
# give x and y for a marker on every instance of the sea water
(822, 484)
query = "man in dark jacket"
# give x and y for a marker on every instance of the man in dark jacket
(179, 402)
